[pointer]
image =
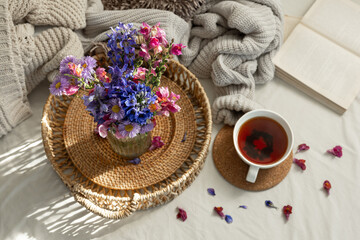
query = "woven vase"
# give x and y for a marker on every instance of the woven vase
(130, 148)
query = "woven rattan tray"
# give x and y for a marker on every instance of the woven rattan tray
(117, 201)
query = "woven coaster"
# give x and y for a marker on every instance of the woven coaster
(234, 170)
(95, 159)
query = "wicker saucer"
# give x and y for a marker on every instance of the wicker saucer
(119, 202)
(95, 159)
(234, 170)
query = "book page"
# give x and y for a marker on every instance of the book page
(320, 64)
(338, 20)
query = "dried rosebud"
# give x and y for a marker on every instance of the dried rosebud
(219, 211)
(327, 186)
(211, 191)
(287, 210)
(336, 151)
(228, 219)
(302, 147)
(300, 163)
(182, 214)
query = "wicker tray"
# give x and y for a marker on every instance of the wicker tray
(120, 202)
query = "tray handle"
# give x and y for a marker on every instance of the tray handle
(126, 212)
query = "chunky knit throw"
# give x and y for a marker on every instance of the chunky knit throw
(231, 42)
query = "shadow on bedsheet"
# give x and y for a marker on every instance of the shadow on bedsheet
(35, 203)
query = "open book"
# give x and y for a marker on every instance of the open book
(321, 56)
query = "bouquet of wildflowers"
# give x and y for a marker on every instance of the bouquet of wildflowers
(124, 98)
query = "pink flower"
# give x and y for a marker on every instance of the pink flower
(140, 73)
(75, 70)
(154, 42)
(102, 131)
(327, 186)
(162, 94)
(154, 107)
(153, 72)
(182, 214)
(161, 35)
(158, 49)
(157, 63)
(336, 151)
(101, 74)
(167, 107)
(156, 143)
(300, 163)
(144, 52)
(174, 97)
(154, 30)
(145, 30)
(176, 49)
(71, 90)
(302, 147)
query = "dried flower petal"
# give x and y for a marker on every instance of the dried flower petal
(182, 214)
(336, 151)
(211, 191)
(156, 143)
(300, 163)
(228, 219)
(270, 204)
(327, 186)
(243, 206)
(219, 211)
(135, 161)
(302, 147)
(287, 210)
(184, 138)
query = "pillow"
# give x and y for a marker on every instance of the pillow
(186, 9)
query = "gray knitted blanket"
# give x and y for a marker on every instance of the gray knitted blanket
(230, 42)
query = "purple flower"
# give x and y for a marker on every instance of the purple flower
(117, 113)
(64, 67)
(336, 151)
(88, 64)
(128, 129)
(135, 161)
(147, 127)
(58, 86)
(211, 191)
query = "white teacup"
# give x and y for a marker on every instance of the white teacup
(254, 167)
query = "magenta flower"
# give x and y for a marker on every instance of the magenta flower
(219, 210)
(287, 210)
(162, 94)
(154, 42)
(156, 143)
(157, 63)
(300, 163)
(144, 53)
(336, 151)
(71, 90)
(161, 35)
(140, 73)
(58, 86)
(145, 30)
(127, 129)
(158, 49)
(176, 49)
(174, 97)
(182, 214)
(302, 147)
(327, 186)
(167, 107)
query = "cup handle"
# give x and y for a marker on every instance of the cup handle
(252, 174)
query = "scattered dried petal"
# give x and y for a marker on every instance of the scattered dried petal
(211, 191)
(219, 211)
(327, 186)
(336, 151)
(228, 219)
(300, 163)
(302, 147)
(182, 214)
(184, 138)
(270, 204)
(156, 143)
(135, 161)
(243, 206)
(287, 210)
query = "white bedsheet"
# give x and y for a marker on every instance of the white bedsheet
(35, 204)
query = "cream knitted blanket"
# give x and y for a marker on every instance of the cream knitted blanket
(231, 42)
